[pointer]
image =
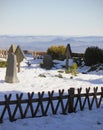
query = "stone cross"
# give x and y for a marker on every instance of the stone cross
(11, 71)
(19, 56)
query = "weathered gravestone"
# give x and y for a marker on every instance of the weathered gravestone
(68, 54)
(11, 71)
(12, 49)
(19, 56)
(47, 62)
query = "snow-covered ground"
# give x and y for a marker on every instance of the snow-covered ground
(30, 81)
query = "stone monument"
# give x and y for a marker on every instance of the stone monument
(11, 70)
(12, 49)
(47, 62)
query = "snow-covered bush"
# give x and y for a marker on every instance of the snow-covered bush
(47, 62)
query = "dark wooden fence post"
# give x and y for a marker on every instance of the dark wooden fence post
(71, 100)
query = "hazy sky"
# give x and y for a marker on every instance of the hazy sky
(51, 17)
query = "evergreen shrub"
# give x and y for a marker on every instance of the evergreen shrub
(93, 55)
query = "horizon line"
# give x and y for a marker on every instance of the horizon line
(44, 35)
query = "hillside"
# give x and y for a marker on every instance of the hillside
(30, 81)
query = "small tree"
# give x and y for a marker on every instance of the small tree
(72, 69)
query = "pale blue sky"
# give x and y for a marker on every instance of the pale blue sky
(51, 17)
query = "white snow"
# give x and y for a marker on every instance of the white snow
(29, 81)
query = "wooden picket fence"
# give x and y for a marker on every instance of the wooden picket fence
(43, 104)
(4, 54)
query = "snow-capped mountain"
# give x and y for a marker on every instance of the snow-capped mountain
(41, 43)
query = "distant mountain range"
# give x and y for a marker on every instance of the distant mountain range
(41, 43)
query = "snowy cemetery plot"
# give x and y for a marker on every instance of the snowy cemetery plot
(31, 82)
